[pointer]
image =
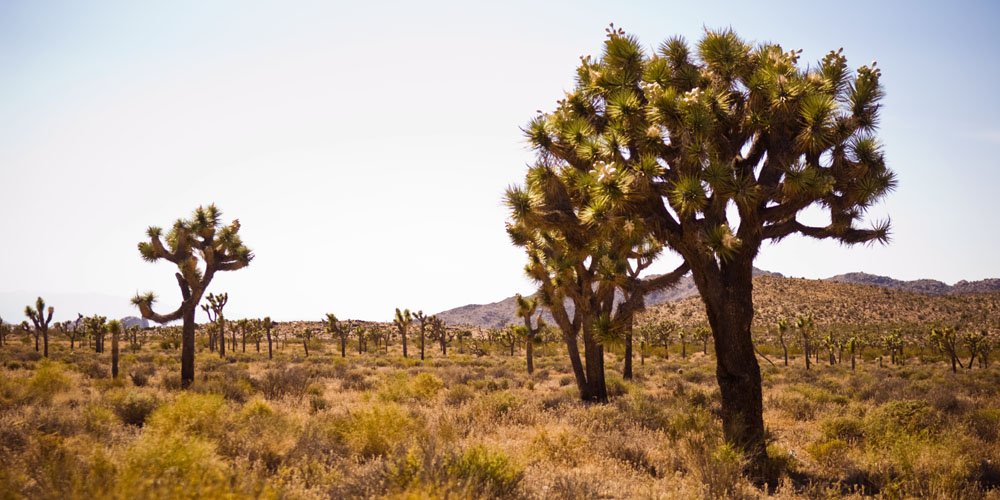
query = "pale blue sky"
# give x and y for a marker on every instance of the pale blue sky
(365, 147)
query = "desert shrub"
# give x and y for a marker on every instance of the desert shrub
(560, 446)
(317, 404)
(630, 451)
(719, 467)
(485, 472)
(190, 413)
(829, 453)
(133, 407)
(172, 382)
(557, 398)
(985, 423)
(849, 429)
(493, 407)
(49, 379)
(458, 394)
(174, 466)
(355, 381)
(425, 386)
(98, 420)
(616, 386)
(566, 380)
(643, 410)
(140, 374)
(233, 389)
(574, 486)
(376, 430)
(906, 416)
(284, 381)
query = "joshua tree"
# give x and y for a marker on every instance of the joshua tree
(420, 317)
(216, 303)
(440, 332)
(893, 341)
(946, 340)
(704, 335)
(268, 325)
(526, 308)
(243, 325)
(805, 325)
(853, 344)
(362, 339)
(96, 326)
(115, 329)
(782, 329)
(713, 153)
(200, 240)
(682, 336)
(3, 332)
(402, 322)
(306, 337)
(333, 326)
(41, 321)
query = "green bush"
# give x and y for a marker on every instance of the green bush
(376, 430)
(459, 394)
(425, 386)
(191, 413)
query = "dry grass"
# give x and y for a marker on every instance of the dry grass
(479, 427)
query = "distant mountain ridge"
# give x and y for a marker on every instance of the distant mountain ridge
(927, 286)
(502, 312)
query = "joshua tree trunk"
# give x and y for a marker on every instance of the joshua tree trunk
(727, 292)
(642, 353)
(530, 356)
(343, 344)
(784, 348)
(805, 347)
(269, 353)
(852, 359)
(114, 354)
(187, 347)
(305, 345)
(444, 345)
(421, 341)
(627, 369)
(222, 338)
(404, 342)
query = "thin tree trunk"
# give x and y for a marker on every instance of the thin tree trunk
(45, 336)
(421, 341)
(642, 353)
(530, 356)
(114, 355)
(403, 333)
(343, 344)
(222, 338)
(305, 345)
(627, 370)
(269, 353)
(187, 348)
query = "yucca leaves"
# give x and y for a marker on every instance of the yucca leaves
(688, 195)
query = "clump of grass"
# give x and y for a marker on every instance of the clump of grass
(459, 394)
(284, 381)
(376, 430)
(133, 407)
(49, 379)
(190, 414)
(486, 472)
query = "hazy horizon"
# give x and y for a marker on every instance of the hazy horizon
(365, 148)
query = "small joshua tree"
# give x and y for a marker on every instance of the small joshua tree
(782, 329)
(946, 340)
(243, 325)
(3, 332)
(216, 303)
(402, 322)
(526, 308)
(268, 325)
(200, 240)
(805, 325)
(853, 344)
(41, 321)
(422, 319)
(704, 334)
(333, 326)
(96, 327)
(360, 332)
(439, 332)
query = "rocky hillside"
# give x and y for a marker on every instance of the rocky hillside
(846, 298)
(504, 312)
(832, 302)
(931, 287)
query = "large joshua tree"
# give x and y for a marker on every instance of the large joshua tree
(41, 321)
(713, 152)
(199, 247)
